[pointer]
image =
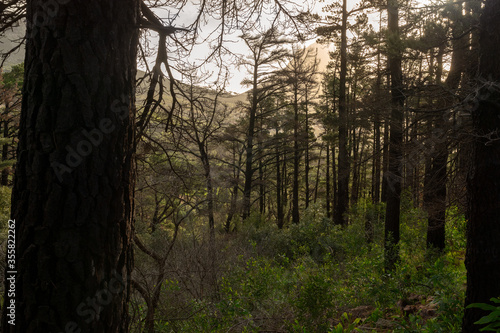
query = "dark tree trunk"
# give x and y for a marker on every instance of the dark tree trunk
(343, 158)
(296, 160)
(279, 200)
(316, 185)
(438, 177)
(307, 166)
(376, 158)
(73, 189)
(205, 160)
(377, 149)
(385, 161)
(234, 192)
(328, 186)
(482, 258)
(394, 174)
(247, 190)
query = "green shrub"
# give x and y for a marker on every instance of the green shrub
(492, 320)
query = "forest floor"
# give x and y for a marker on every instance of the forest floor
(313, 277)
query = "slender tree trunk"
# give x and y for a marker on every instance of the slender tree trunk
(209, 186)
(247, 190)
(262, 189)
(296, 160)
(376, 159)
(482, 258)
(376, 126)
(343, 158)
(306, 145)
(328, 186)
(385, 160)
(284, 186)
(318, 170)
(234, 193)
(335, 191)
(74, 184)
(279, 200)
(394, 174)
(437, 211)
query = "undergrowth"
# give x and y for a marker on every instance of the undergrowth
(318, 277)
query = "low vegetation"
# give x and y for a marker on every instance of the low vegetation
(311, 277)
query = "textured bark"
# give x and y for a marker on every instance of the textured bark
(234, 191)
(436, 186)
(74, 222)
(279, 200)
(296, 157)
(249, 170)
(394, 173)
(343, 158)
(376, 158)
(328, 186)
(377, 151)
(307, 166)
(385, 161)
(482, 258)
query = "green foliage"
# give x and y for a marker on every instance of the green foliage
(314, 302)
(5, 194)
(13, 78)
(346, 326)
(309, 277)
(455, 229)
(492, 320)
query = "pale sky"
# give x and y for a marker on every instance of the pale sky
(188, 15)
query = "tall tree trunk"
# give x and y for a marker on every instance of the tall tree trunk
(205, 160)
(385, 161)
(262, 188)
(318, 170)
(376, 158)
(307, 166)
(235, 190)
(328, 186)
(376, 126)
(279, 200)
(247, 190)
(437, 205)
(296, 160)
(343, 167)
(74, 183)
(394, 174)
(482, 258)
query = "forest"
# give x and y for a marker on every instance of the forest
(349, 183)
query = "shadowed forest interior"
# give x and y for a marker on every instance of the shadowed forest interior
(350, 183)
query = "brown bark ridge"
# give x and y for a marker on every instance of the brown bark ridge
(393, 177)
(342, 205)
(482, 258)
(73, 189)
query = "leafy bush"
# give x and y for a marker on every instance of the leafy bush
(5, 194)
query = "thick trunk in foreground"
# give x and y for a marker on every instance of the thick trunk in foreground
(482, 258)
(73, 189)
